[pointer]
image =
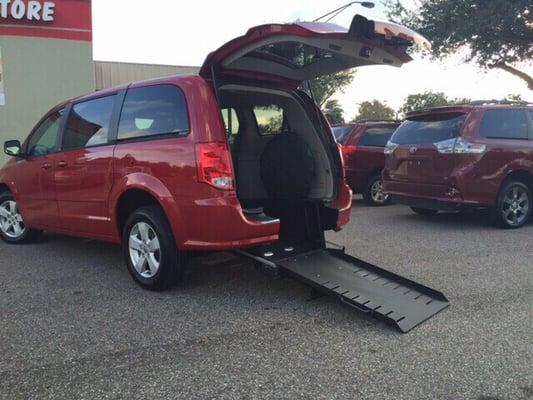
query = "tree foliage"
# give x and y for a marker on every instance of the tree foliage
(334, 112)
(424, 100)
(374, 110)
(327, 85)
(493, 33)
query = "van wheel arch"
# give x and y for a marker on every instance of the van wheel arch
(130, 201)
(4, 188)
(518, 175)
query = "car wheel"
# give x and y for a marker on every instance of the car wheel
(152, 257)
(513, 207)
(13, 230)
(373, 193)
(424, 211)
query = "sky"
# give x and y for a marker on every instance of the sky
(179, 32)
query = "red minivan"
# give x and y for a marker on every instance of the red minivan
(464, 157)
(363, 145)
(234, 158)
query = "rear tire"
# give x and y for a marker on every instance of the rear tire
(513, 206)
(150, 251)
(12, 227)
(373, 193)
(424, 211)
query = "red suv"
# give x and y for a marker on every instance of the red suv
(363, 146)
(457, 157)
(230, 159)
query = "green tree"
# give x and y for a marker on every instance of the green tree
(375, 110)
(423, 100)
(327, 85)
(334, 112)
(493, 33)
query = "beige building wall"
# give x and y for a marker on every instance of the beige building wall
(109, 74)
(37, 74)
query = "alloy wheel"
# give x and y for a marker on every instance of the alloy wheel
(515, 206)
(11, 223)
(144, 249)
(376, 191)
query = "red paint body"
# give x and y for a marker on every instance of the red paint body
(362, 161)
(419, 175)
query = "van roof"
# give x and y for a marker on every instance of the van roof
(464, 108)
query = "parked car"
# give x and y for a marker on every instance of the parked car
(363, 145)
(461, 157)
(151, 165)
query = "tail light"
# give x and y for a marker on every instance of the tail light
(348, 149)
(214, 165)
(459, 146)
(390, 147)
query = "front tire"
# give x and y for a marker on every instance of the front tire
(513, 207)
(373, 193)
(150, 251)
(424, 211)
(13, 230)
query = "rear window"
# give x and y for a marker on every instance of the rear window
(153, 110)
(429, 128)
(377, 136)
(270, 120)
(231, 121)
(504, 124)
(341, 133)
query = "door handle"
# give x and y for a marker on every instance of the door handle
(62, 164)
(46, 166)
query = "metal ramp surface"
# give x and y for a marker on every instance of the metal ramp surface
(390, 297)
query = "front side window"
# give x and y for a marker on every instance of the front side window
(153, 110)
(504, 124)
(270, 119)
(88, 123)
(45, 137)
(376, 136)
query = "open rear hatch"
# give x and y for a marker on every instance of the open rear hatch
(292, 53)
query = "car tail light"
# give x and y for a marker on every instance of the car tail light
(348, 149)
(459, 146)
(390, 147)
(214, 165)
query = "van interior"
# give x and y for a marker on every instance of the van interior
(283, 168)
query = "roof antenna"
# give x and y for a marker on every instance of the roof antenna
(334, 13)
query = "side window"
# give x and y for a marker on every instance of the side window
(504, 124)
(88, 123)
(270, 119)
(376, 136)
(231, 121)
(153, 110)
(44, 139)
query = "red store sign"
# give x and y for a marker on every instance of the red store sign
(58, 19)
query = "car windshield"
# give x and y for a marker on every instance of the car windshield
(429, 128)
(341, 133)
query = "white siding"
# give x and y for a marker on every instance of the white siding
(109, 74)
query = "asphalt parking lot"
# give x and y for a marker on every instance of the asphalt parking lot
(75, 326)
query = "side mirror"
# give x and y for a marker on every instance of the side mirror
(13, 148)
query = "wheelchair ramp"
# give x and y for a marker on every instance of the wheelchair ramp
(390, 297)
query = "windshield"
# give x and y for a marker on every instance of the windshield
(429, 128)
(341, 133)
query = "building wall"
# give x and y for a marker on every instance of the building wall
(109, 74)
(38, 73)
